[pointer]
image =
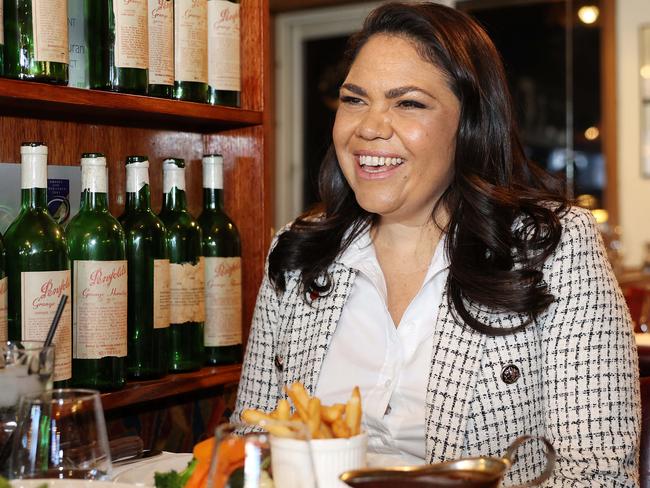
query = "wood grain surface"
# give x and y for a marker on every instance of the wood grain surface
(175, 384)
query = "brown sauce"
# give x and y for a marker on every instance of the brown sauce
(464, 479)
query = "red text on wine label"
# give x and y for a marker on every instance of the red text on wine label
(222, 302)
(40, 293)
(99, 315)
(50, 289)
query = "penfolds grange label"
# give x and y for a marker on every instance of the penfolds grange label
(186, 292)
(161, 42)
(161, 295)
(50, 28)
(4, 332)
(222, 302)
(40, 293)
(191, 40)
(131, 38)
(99, 320)
(223, 45)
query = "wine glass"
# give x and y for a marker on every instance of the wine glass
(242, 456)
(61, 434)
(25, 369)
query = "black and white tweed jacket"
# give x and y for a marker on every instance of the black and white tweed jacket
(578, 383)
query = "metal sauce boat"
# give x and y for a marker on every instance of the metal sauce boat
(475, 472)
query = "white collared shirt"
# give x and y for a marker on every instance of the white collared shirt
(389, 364)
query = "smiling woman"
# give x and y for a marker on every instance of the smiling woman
(395, 131)
(445, 274)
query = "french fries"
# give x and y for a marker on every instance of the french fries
(323, 421)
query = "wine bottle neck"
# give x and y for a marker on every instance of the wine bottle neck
(94, 184)
(91, 200)
(212, 199)
(140, 200)
(34, 198)
(175, 199)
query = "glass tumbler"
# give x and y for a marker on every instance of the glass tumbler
(61, 434)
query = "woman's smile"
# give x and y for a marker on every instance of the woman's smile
(377, 165)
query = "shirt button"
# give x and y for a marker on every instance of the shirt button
(510, 374)
(387, 384)
(388, 410)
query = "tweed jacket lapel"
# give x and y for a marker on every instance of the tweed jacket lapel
(455, 365)
(311, 326)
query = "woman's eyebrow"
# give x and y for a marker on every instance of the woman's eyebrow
(392, 93)
(403, 90)
(356, 89)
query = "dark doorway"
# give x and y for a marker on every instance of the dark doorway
(324, 73)
(550, 92)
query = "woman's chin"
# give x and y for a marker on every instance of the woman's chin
(378, 207)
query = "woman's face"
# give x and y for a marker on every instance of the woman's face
(395, 130)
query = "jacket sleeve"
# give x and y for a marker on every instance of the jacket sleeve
(258, 385)
(590, 373)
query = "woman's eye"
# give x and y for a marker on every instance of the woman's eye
(410, 104)
(347, 99)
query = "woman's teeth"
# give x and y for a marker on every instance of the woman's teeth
(379, 161)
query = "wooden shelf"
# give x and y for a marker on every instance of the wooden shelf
(42, 101)
(171, 385)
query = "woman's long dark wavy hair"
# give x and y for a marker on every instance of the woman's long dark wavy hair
(504, 212)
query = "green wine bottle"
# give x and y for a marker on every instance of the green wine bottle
(38, 267)
(224, 75)
(148, 263)
(2, 39)
(99, 284)
(191, 50)
(36, 40)
(222, 251)
(117, 45)
(4, 286)
(187, 271)
(161, 48)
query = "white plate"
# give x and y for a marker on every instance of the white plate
(67, 483)
(142, 473)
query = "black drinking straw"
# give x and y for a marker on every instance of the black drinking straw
(55, 321)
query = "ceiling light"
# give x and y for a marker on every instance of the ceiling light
(588, 14)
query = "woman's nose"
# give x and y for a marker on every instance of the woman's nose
(375, 124)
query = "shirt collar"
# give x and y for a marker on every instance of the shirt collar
(360, 255)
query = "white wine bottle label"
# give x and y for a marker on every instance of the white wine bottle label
(94, 178)
(173, 177)
(160, 293)
(99, 318)
(161, 42)
(223, 45)
(191, 40)
(4, 331)
(131, 39)
(222, 302)
(187, 283)
(50, 27)
(78, 75)
(213, 172)
(137, 175)
(40, 293)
